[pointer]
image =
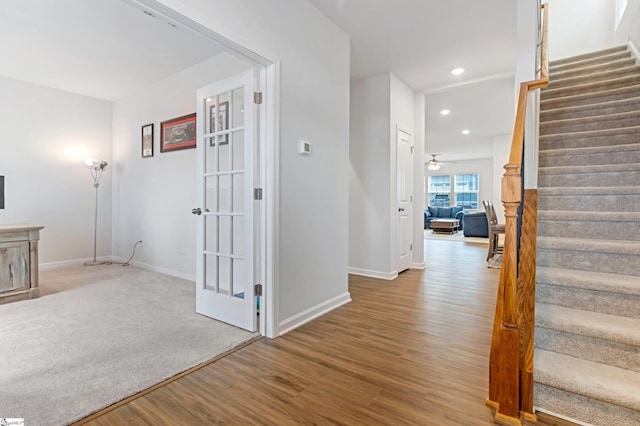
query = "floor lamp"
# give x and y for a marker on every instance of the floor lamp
(96, 168)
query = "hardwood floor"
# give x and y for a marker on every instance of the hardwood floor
(410, 351)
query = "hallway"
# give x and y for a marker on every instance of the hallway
(411, 351)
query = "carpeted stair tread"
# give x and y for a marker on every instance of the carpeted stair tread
(616, 328)
(589, 216)
(590, 88)
(607, 121)
(600, 168)
(633, 131)
(578, 99)
(580, 408)
(589, 156)
(616, 247)
(567, 81)
(561, 152)
(626, 61)
(590, 348)
(603, 382)
(583, 141)
(599, 56)
(624, 198)
(589, 190)
(598, 227)
(590, 110)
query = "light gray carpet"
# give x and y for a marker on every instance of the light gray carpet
(69, 354)
(587, 356)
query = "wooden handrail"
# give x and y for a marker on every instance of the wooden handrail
(511, 358)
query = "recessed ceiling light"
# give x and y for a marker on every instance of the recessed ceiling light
(466, 131)
(445, 112)
(457, 71)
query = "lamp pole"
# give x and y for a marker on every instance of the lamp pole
(96, 168)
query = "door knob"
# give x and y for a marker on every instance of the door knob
(197, 211)
(401, 209)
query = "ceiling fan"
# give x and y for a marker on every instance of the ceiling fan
(434, 163)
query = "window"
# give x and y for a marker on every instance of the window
(464, 192)
(439, 191)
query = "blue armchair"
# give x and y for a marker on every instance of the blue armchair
(476, 225)
(442, 213)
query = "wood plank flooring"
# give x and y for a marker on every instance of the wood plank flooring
(411, 351)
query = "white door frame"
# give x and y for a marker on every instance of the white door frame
(268, 67)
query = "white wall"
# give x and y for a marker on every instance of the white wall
(312, 233)
(484, 167)
(153, 197)
(402, 115)
(526, 65)
(370, 179)
(378, 105)
(629, 26)
(45, 135)
(418, 179)
(580, 27)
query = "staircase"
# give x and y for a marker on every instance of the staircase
(587, 340)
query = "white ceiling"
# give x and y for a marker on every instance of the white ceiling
(421, 41)
(99, 48)
(107, 48)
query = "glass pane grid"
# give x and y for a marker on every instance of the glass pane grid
(224, 187)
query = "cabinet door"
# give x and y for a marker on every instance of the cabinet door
(14, 271)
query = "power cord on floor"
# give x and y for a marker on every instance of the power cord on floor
(128, 260)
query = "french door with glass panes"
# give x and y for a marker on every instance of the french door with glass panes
(225, 148)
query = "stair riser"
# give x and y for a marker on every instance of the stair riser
(578, 159)
(557, 82)
(583, 61)
(567, 141)
(625, 305)
(582, 408)
(547, 94)
(588, 111)
(590, 229)
(590, 348)
(585, 125)
(622, 203)
(613, 263)
(589, 179)
(607, 66)
(593, 98)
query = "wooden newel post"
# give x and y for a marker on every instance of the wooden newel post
(508, 358)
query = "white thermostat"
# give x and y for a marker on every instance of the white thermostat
(304, 147)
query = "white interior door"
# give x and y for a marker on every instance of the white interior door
(405, 199)
(226, 116)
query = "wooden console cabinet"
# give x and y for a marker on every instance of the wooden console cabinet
(19, 262)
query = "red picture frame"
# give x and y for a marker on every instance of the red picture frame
(178, 133)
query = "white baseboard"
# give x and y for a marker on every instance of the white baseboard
(374, 274)
(314, 312)
(634, 49)
(184, 276)
(73, 262)
(418, 265)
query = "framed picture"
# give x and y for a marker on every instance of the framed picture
(178, 133)
(147, 140)
(222, 121)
